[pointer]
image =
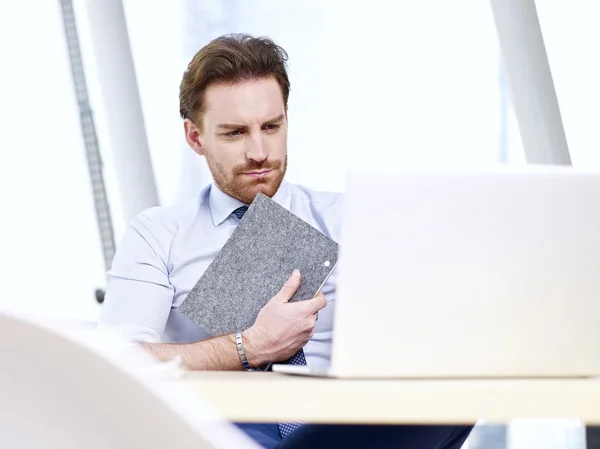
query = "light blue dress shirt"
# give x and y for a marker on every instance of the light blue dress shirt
(165, 250)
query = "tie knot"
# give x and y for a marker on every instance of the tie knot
(240, 211)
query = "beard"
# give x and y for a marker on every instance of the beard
(244, 188)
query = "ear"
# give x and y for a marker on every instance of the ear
(192, 136)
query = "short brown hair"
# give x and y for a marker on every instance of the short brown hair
(230, 59)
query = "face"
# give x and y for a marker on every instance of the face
(243, 137)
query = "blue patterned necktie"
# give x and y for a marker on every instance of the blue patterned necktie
(240, 211)
(285, 428)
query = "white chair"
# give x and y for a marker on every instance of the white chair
(57, 392)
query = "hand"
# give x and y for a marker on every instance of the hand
(282, 328)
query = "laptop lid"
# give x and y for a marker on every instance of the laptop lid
(469, 273)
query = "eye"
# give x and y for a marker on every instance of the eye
(272, 128)
(235, 133)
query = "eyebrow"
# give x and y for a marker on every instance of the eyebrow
(222, 126)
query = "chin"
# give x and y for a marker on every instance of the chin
(267, 187)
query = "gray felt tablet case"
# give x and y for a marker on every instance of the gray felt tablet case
(268, 244)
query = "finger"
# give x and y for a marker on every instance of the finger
(313, 305)
(289, 288)
(320, 302)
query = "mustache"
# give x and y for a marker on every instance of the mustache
(257, 166)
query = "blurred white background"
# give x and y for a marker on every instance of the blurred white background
(378, 82)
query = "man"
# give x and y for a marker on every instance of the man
(233, 100)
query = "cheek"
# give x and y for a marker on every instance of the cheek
(278, 145)
(226, 157)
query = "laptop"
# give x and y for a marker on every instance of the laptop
(468, 274)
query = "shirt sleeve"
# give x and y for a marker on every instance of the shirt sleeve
(139, 294)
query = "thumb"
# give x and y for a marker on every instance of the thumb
(289, 288)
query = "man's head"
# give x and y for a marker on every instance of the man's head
(233, 99)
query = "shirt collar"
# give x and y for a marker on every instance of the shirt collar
(222, 205)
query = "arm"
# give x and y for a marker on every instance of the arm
(217, 353)
(139, 298)
(139, 295)
(280, 330)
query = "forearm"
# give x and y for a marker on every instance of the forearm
(213, 354)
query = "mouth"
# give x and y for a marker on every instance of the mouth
(258, 173)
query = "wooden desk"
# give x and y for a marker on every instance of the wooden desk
(268, 397)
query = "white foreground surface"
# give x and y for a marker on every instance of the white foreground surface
(59, 392)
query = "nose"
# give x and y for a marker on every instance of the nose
(257, 149)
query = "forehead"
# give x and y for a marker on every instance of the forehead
(243, 103)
